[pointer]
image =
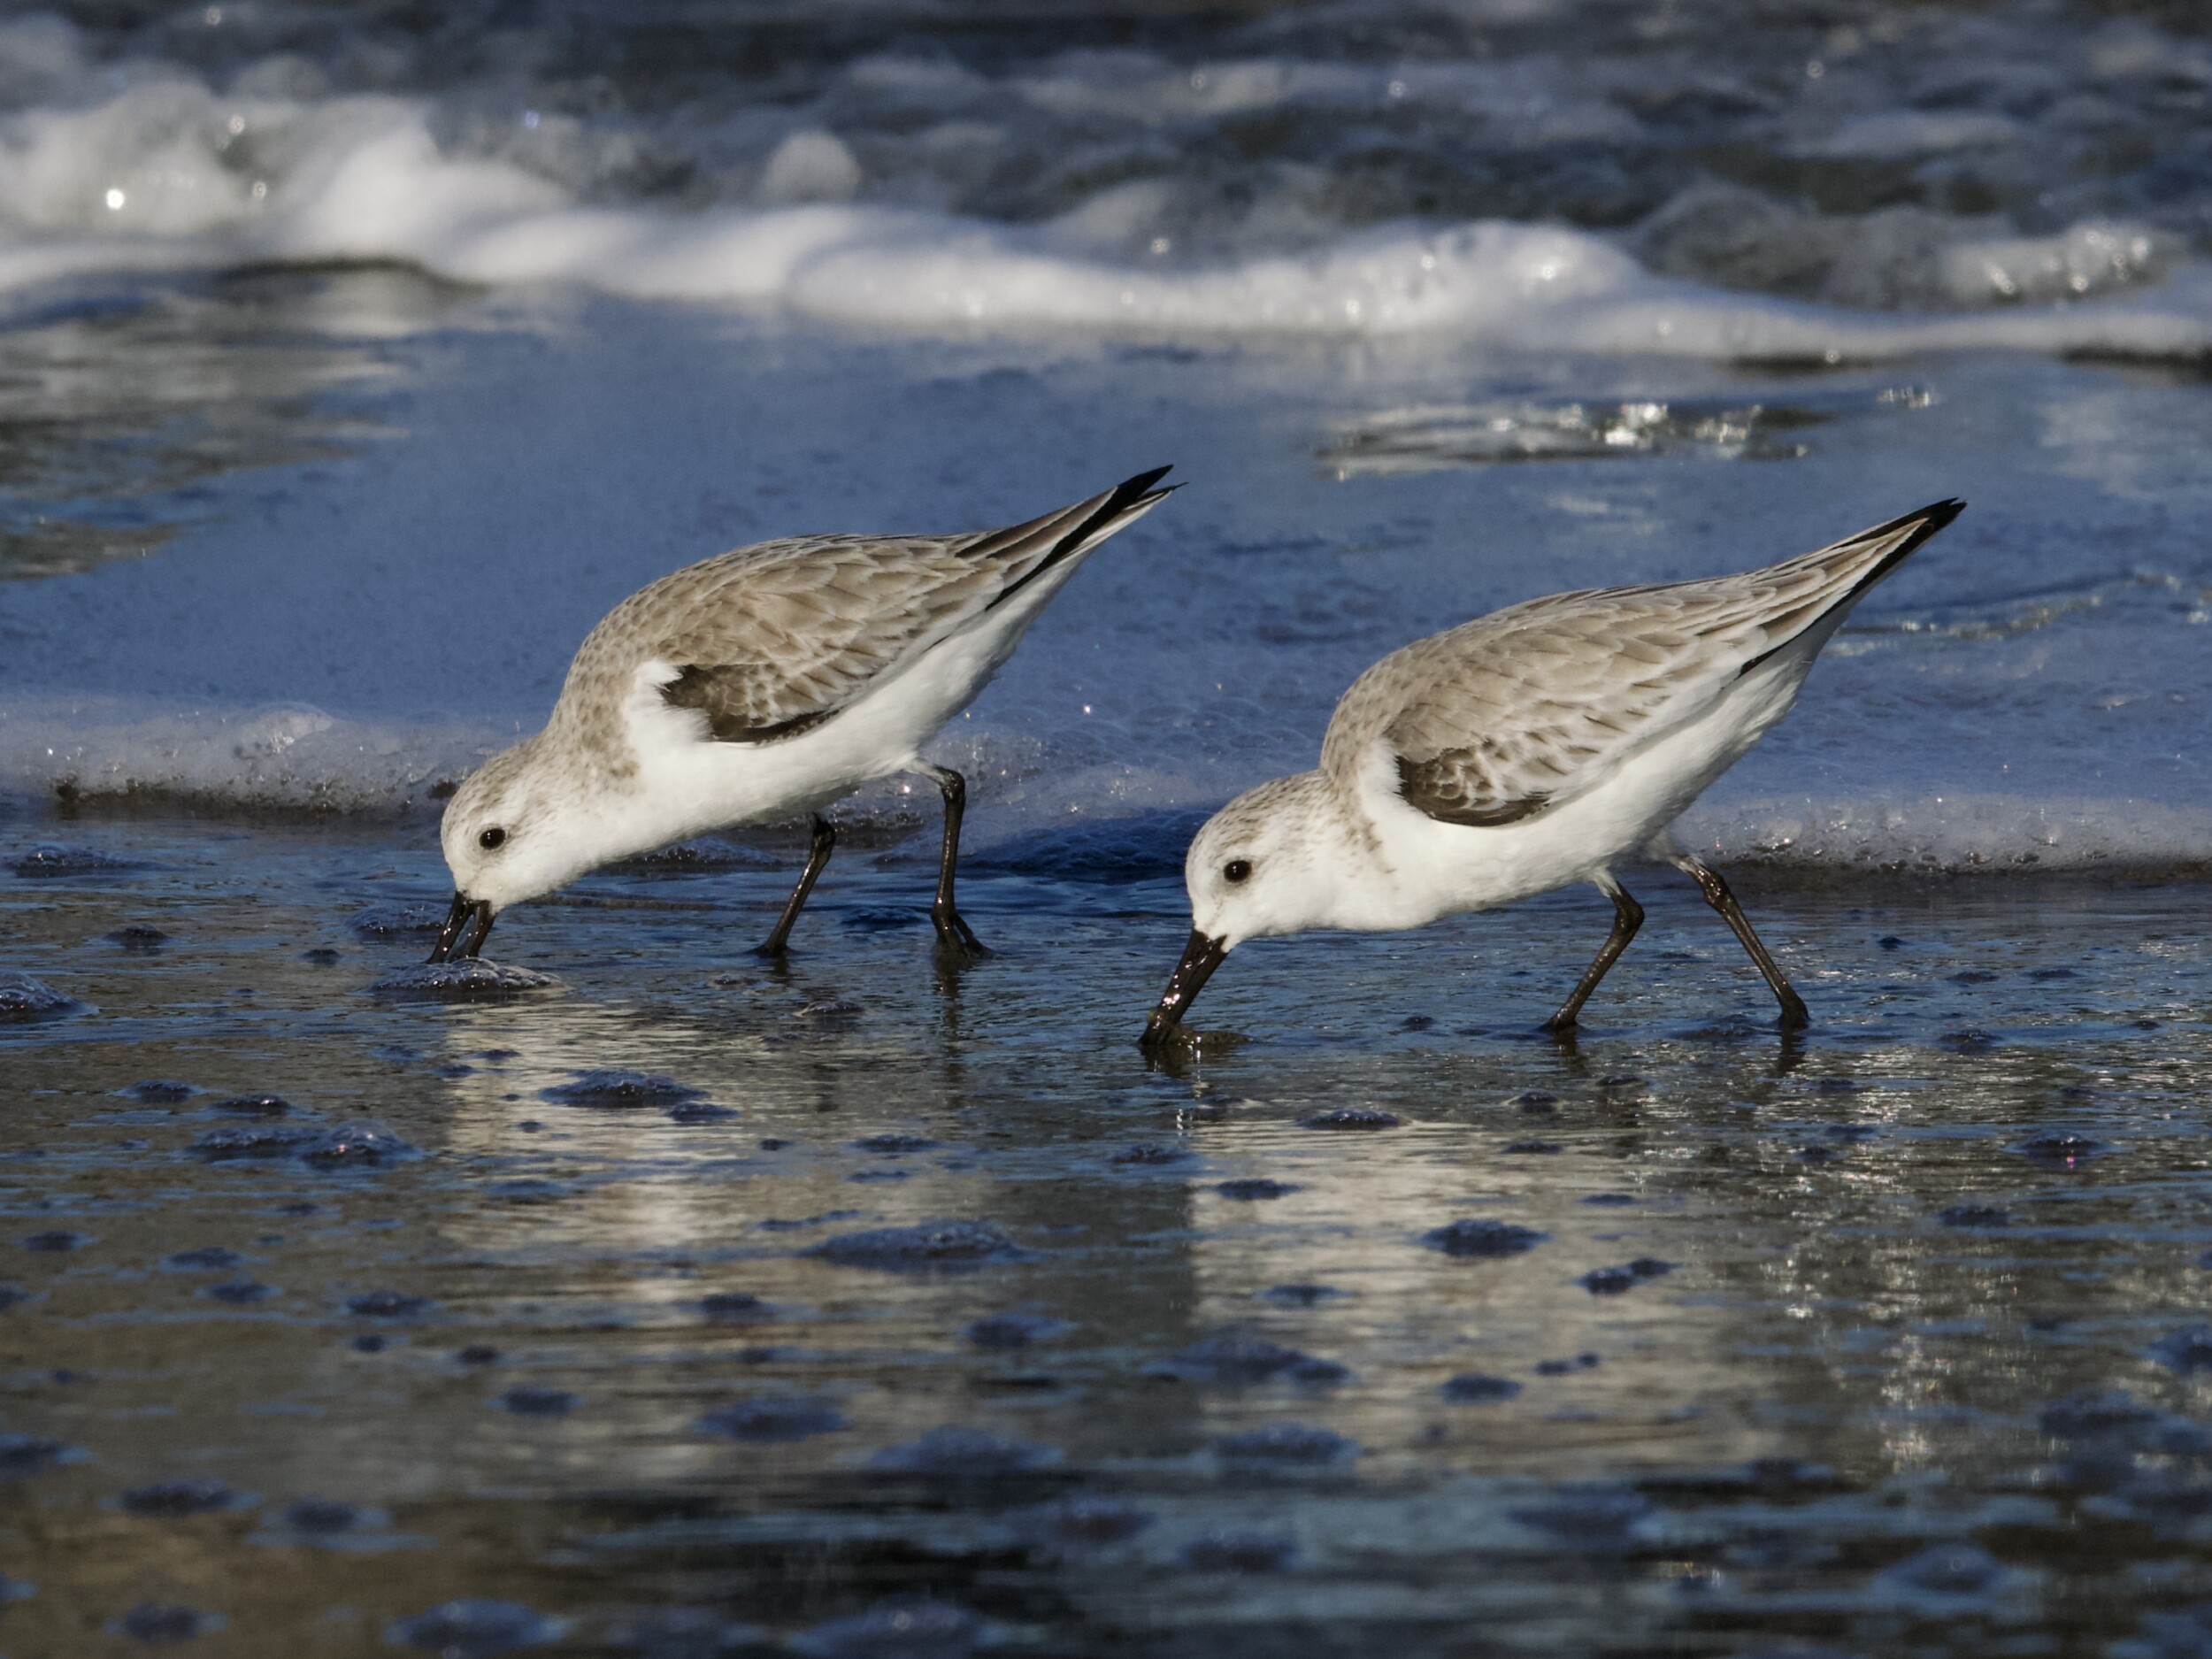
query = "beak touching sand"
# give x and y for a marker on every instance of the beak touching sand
(1200, 957)
(456, 921)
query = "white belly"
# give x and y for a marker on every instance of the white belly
(687, 783)
(1427, 869)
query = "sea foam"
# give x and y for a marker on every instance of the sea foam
(171, 173)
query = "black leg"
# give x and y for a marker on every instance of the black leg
(1628, 915)
(1716, 893)
(817, 855)
(952, 932)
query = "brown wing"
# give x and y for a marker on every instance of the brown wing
(1463, 786)
(1492, 722)
(770, 641)
(1512, 716)
(785, 640)
(735, 698)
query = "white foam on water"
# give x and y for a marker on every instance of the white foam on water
(225, 757)
(1049, 200)
(1952, 834)
(169, 174)
(294, 759)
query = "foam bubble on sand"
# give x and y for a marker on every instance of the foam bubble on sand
(295, 758)
(284, 757)
(1953, 833)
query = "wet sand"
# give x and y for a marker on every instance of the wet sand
(692, 1305)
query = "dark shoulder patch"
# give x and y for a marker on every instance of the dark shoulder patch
(1448, 789)
(721, 693)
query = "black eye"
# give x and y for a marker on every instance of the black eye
(1236, 870)
(491, 837)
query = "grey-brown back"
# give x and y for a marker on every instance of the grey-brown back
(772, 640)
(1494, 720)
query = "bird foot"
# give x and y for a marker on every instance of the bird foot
(954, 937)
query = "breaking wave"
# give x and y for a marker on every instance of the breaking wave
(1236, 182)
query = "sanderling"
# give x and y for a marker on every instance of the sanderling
(1526, 750)
(762, 683)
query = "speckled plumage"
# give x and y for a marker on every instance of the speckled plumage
(789, 630)
(1526, 750)
(765, 683)
(1505, 717)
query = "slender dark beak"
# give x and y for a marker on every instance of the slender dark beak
(1200, 957)
(456, 921)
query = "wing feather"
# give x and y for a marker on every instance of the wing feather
(1495, 721)
(771, 641)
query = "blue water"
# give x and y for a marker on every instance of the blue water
(1779, 1317)
(349, 633)
(1885, 1340)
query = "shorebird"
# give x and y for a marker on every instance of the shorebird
(1526, 750)
(760, 684)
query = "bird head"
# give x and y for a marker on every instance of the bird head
(507, 836)
(1257, 867)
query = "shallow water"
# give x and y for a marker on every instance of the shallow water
(626, 1295)
(349, 635)
(322, 485)
(606, 1360)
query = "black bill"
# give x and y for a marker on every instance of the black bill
(465, 910)
(1200, 957)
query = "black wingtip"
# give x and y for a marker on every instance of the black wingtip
(1918, 527)
(1915, 528)
(1129, 491)
(1126, 496)
(1927, 520)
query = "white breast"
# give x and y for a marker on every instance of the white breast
(687, 783)
(1422, 869)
